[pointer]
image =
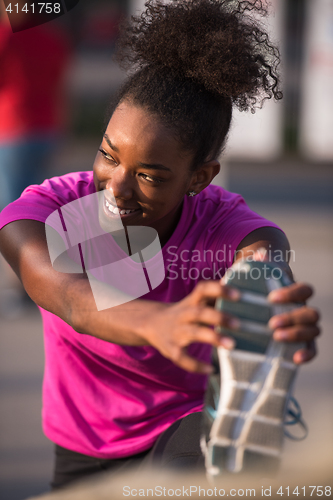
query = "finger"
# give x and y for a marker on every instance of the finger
(183, 360)
(210, 316)
(206, 335)
(297, 333)
(297, 292)
(212, 290)
(261, 255)
(300, 315)
(306, 354)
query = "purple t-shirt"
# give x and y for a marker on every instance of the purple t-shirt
(111, 401)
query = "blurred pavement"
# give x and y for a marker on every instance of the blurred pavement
(26, 455)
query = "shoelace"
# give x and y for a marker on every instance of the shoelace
(294, 417)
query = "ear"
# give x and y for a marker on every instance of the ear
(204, 175)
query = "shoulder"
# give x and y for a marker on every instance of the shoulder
(216, 211)
(227, 220)
(217, 195)
(217, 216)
(68, 187)
(61, 190)
(37, 202)
(221, 205)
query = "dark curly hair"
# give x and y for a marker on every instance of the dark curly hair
(193, 60)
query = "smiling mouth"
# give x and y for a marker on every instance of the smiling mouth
(111, 209)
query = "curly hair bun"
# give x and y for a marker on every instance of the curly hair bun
(217, 43)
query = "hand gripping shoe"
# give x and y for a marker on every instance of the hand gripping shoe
(247, 396)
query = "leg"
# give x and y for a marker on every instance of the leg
(71, 466)
(179, 446)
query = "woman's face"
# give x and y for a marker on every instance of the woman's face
(143, 168)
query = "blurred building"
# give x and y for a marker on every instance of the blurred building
(316, 126)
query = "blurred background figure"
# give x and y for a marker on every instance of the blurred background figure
(32, 102)
(33, 64)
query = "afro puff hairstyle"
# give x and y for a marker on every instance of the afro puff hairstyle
(192, 60)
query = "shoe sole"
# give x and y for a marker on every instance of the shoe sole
(255, 382)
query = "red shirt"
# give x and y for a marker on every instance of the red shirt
(32, 63)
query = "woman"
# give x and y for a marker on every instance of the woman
(132, 387)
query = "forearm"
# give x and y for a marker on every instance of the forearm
(69, 296)
(124, 324)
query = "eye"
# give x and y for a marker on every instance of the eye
(150, 179)
(107, 157)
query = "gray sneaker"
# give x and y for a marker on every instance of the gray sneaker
(247, 397)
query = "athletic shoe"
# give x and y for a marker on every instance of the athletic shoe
(247, 397)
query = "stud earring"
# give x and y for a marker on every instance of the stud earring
(192, 193)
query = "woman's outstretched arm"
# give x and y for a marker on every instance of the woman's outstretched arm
(167, 327)
(170, 328)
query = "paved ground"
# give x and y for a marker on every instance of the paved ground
(26, 455)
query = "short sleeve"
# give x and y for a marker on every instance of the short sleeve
(37, 202)
(237, 224)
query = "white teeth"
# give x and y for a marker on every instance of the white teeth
(116, 211)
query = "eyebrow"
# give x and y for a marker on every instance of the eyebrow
(106, 137)
(150, 166)
(154, 166)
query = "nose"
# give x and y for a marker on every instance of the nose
(121, 184)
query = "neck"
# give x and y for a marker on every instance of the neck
(165, 227)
